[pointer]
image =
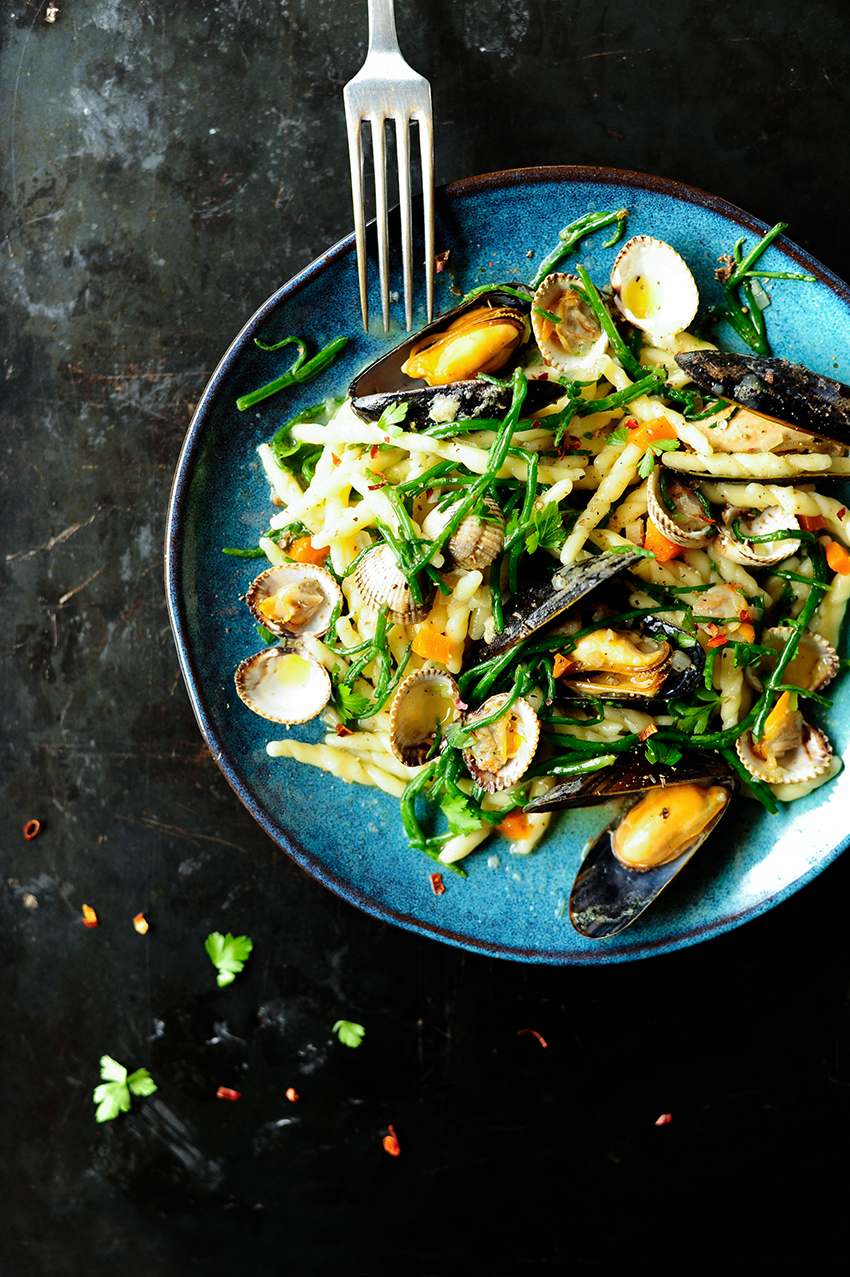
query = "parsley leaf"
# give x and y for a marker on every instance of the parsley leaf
(547, 529)
(462, 818)
(618, 436)
(391, 416)
(349, 1033)
(228, 954)
(351, 704)
(658, 752)
(112, 1096)
(647, 461)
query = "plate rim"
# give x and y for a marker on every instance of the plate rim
(173, 553)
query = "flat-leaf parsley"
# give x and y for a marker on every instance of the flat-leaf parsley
(228, 954)
(349, 1033)
(113, 1095)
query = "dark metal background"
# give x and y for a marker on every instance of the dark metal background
(166, 165)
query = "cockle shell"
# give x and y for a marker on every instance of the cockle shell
(689, 527)
(517, 732)
(382, 584)
(476, 542)
(426, 699)
(653, 288)
(285, 685)
(576, 346)
(305, 595)
(804, 761)
(765, 554)
(814, 663)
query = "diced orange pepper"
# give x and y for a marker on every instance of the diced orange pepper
(89, 917)
(838, 558)
(516, 826)
(140, 923)
(745, 632)
(561, 664)
(302, 551)
(660, 545)
(811, 522)
(431, 645)
(644, 436)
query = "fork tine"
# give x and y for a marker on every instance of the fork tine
(355, 155)
(379, 151)
(402, 130)
(426, 151)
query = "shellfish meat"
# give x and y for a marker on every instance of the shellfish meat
(501, 751)
(577, 344)
(294, 599)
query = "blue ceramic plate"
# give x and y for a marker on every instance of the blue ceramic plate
(351, 838)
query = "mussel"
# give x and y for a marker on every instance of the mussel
(435, 371)
(775, 388)
(645, 660)
(545, 599)
(674, 809)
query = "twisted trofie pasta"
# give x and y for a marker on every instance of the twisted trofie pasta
(570, 482)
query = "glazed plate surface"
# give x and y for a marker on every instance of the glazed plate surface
(351, 838)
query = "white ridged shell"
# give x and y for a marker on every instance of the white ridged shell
(653, 288)
(766, 554)
(692, 532)
(518, 765)
(283, 685)
(810, 759)
(476, 543)
(819, 656)
(411, 734)
(577, 346)
(382, 585)
(294, 574)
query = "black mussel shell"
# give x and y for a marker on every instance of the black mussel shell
(383, 383)
(774, 387)
(630, 775)
(429, 405)
(535, 606)
(606, 896)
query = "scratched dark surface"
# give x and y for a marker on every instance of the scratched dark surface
(166, 165)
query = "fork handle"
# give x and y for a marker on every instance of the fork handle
(382, 32)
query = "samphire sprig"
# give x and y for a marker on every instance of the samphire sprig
(571, 236)
(737, 274)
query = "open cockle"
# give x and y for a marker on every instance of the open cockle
(502, 750)
(294, 600)
(284, 685)
(653, 288)
(789, 751)
(576, 344)
(739, 538)
(424, 707)
(679, 512)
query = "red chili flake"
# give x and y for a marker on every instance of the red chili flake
(343, 731)
(225, 1093)
(292, 1095)
(842, 512)
(534, 1034)
(664, 1120)
(140, 922)
(390, 1143)
(429, 492)
(744, 615)
(718, 636)
(89, 917)
(335, 459)
(31, 828)
(440, 261)
(437, 884)
(630, 423)
(648, 731)
(374, 451)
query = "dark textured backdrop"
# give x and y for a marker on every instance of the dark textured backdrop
(166, 165)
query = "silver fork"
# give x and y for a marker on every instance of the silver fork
(385, 88)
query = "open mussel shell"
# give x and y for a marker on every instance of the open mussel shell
(537, 605)
(647, 845)
(775, 387)
(630, 775)
(645, 661)
(427, 702)
(294, 600)
(384, 382)
(284, 685)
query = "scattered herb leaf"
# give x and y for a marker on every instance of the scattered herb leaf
(228, 954)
